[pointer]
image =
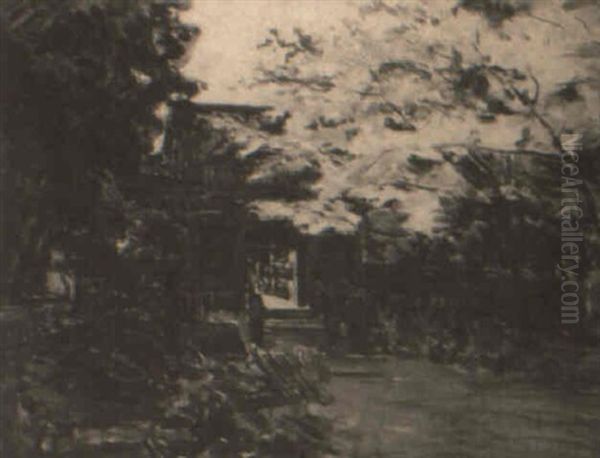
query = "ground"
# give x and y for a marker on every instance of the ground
(406, 407)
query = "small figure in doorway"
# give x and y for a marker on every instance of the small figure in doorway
(256, 318)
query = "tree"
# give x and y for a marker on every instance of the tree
(452, 138)
(81, 84)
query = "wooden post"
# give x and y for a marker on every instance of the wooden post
(293, 257)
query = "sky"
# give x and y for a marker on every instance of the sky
(226, 53)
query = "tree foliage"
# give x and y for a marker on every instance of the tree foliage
(81, 84)
(454, 155)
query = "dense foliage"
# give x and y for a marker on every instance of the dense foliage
(80, 88)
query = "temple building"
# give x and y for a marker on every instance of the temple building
(204, 180)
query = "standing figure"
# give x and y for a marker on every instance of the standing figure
(330, 320)
(319, 298)
(256, 318)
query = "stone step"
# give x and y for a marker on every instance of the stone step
(289, 313)
(286, 333)
(293, 323)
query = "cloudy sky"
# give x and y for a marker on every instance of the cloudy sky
(227, 54)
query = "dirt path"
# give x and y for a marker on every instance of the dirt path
(413, 408)
(390, 407)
